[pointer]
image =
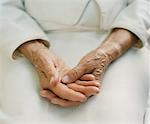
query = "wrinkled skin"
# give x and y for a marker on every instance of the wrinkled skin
(98, 60)
(69, 87)
(51, 69)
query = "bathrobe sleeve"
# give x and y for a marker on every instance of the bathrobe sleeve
(17, 27)
(135, 18)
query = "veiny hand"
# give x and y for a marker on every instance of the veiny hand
(50, 69)
(46, 65)
(86, 85)
(97, 61)
(94, 63)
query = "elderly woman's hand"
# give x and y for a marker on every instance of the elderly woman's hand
(50, 69)
(46, 65)
(86, 85)
(94, 62)
(98, 60)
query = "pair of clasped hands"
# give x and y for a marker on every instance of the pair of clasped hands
(69, 87)
(59, 84)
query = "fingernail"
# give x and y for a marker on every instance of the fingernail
(84, 100)
(66, 79)
(43, 93)
(98, 84)
(53, 101)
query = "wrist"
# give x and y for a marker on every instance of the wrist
(32, 48)
(111, 51)
(117, 43)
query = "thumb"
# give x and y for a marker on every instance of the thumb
(74, 74)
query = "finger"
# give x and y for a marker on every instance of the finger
(50, 77)
(74, 74)
(64, 103)
(47, 66)
(47, 94)
(43, 80)
(87, 90)
(88, 77)
(88, 83)
(64, 92)
(62, 71)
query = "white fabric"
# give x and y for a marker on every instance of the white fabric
(16, 26)
(147, 115)
(26, 19)
(123, 96)
(122, 99)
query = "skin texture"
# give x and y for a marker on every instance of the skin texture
(66, 103)
(97, 61)
(68, 87)
(51, 69)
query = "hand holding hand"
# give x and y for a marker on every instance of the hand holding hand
(50, 69)
(62, 96)
(48, 66)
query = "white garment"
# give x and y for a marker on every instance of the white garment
(28, 19)
(122, 99)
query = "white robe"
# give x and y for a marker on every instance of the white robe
(73, 28)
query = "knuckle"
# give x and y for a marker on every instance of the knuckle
(98, 73)
(75, 73)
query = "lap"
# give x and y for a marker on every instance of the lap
(122, 98)
(124, 90)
